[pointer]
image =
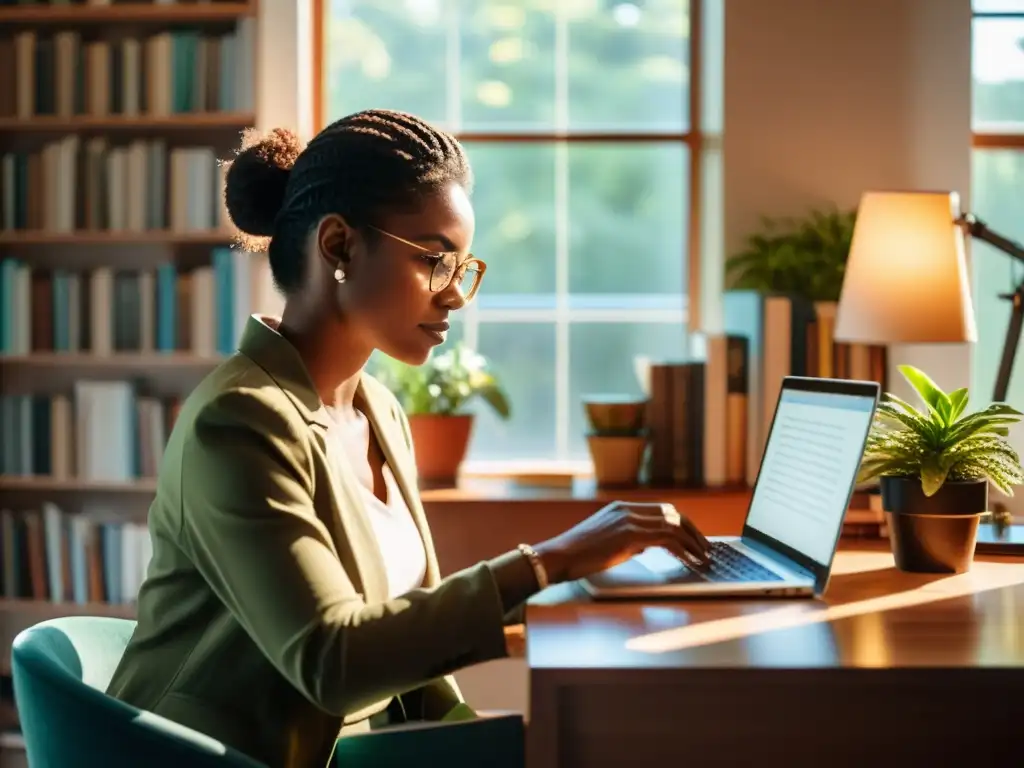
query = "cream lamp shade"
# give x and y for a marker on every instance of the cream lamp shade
(906, 275)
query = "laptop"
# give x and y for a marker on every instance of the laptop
(803, 489)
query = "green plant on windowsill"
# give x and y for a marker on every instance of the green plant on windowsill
(445, 384)
(804, 257)
(934, 465)
(434, 396)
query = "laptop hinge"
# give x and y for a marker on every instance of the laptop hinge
(774, 554)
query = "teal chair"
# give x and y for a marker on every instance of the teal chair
(62, 667)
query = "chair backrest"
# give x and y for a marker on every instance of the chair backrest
(61, 669)
(90, 648)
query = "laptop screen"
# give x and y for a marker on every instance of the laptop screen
(809, 467)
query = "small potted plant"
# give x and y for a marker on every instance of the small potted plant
(934, 465)
(804, 257)
(801, 257)
(434, 396)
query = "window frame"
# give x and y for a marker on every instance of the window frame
(993, 139)
(697, 141)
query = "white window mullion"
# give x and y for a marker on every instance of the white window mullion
(562, 405)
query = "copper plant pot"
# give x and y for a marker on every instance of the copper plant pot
(440, 443)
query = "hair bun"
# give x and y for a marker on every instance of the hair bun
(257, 179)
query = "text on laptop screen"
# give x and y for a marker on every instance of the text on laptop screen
(809, 466)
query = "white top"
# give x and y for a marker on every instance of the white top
(397, 536)
(399, 540)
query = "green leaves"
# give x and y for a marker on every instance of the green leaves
(938, 442)
(445, 384)
(934, 398)
(803, 257)
(958, 399)
(993, 420)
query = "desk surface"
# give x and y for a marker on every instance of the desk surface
(872, 616)
(888, 669)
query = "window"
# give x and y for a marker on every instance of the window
(578, 117)
(998, 178)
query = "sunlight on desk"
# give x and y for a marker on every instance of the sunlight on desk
(842, 603)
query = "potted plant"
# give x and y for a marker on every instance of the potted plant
(804, 257)
(434, 396)
(934, 465)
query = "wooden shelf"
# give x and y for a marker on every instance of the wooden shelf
(48, 485)
(163, 375)
(126, 13)
(113, 238)
(45, 609)
(130, 123)
(125, 361)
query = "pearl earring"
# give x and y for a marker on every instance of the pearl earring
(339, 275)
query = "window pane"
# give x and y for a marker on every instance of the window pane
(998, 67)
(489, 65)
(514, 198)
(523, 355)
(628, 216)
(507, 65)
(628, 65)
(385, 54)
(601, 359)
(999, 6)
(998, 192)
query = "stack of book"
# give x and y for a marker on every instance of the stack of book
(709, 416)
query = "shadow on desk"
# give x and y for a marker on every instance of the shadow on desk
(889, 668)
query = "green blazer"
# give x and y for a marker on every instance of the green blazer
(264, 619)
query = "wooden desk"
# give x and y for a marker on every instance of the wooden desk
(889, 669)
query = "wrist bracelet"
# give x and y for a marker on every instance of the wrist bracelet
(538, 567)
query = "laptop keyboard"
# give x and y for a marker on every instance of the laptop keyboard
(729, 564)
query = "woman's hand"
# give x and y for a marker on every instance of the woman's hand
(615, 533)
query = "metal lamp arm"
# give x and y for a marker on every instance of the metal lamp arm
(976, 228)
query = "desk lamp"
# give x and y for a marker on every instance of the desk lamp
(906, 276)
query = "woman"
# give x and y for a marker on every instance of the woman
(293, 586)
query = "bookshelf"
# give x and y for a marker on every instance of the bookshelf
(119, 289)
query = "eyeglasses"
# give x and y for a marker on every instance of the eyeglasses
(445, 268)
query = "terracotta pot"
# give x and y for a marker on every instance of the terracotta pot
(617, 459)
(440, 443)
(933, 534)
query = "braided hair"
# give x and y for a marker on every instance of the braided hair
(358, 167)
